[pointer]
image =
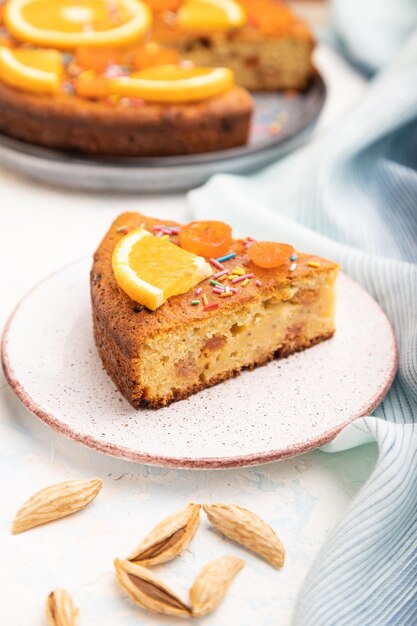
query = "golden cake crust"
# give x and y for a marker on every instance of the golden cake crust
(127, 324)
(71, 123)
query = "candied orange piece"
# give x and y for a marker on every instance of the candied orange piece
(94, 87)
(269, 254)
(98, 59)
(208, 239)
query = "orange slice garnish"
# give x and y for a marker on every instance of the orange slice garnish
(269, 254)
(172, 83)
(210, 15)
(31, 70)
(152, 269)
(66, 24)
(209, 239)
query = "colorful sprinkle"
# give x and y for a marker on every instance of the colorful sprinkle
(216, 263)
(233, 289)
(231, 276)
(217, 290)
(226, 294)
(293, 266)
(313, 264)
(204, 298)
(222, 273)
(122, 229)
(68, 88)
(216, 284)
(213, 305)
(275, 128)
(245, 282)
(198, 291)
(293, 257)
(242, 278)
(195, 301)
(258, 283)
(222, 278)
(226, 257)
(238, 271)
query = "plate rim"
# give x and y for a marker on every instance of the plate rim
(228, 462)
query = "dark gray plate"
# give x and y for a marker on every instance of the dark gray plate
(281, 122)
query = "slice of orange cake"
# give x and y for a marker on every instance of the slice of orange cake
(180, 308)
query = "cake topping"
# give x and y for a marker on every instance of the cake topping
(210, 15)
(151, 269)
(269, 254)
(208, 239)
(68, 23)
(164, 83)
(127, 58)
(172, 83)
(35, 70)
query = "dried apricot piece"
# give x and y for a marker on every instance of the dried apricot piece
(269, 254)
(208, 239)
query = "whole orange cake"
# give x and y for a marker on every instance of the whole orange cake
(130, 78)
(168, 323)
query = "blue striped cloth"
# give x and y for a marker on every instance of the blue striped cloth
(352, 196)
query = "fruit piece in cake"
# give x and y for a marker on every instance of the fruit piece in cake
(253, 315)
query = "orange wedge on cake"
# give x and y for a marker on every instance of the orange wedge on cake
(164, 83)
(66, 24)
(152, 269)
(33, 70)
(210, 15)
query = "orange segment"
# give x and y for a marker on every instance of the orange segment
(269, 254)
(210, 15)
(32, 70)
(151, 269)
(70, 23)
(171, 83)
(209, 239)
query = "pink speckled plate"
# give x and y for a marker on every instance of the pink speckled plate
(279, 410)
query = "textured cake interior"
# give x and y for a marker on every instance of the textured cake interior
(274, 64)
(292, 318)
